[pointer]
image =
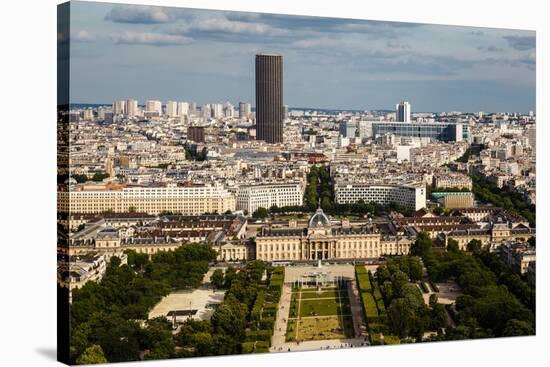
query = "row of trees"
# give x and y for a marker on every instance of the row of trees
(408, 314)
(108, 313)
(487, 308)
(97, 177)
(512, 201)
(234, 327)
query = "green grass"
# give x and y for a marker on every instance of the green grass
(322, 315)
(323, 307)
(322, 294)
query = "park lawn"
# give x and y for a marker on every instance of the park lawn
(321, 328)
(322, 294)
(319, 307)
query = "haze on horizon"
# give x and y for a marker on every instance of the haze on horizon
(144, 52)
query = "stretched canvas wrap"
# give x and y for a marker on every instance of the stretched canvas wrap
(233, 183)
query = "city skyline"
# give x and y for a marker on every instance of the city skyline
(174, 54)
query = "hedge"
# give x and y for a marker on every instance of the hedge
(424, 287)
(369, 303)
(258, 335)
(391, 339)
(247, 347)
(262, 345)
(434, 287)
(267, 323)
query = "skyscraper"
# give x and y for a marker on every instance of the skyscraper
(403, 112)
(269, 98)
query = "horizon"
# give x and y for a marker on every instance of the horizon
(207, 55)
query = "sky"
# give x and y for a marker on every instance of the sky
(144, 52)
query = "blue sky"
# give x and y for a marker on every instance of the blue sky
(128, 51)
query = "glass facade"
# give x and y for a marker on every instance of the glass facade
(437, 131)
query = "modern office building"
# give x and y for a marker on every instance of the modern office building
(442, 131)
(269, 98)
(452, 200)
(403, 112)
(347, 129)
(119, 198)
(411, 196)
(252, 197)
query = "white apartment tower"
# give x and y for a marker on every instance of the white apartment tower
(245, 109)
(153, 106)
(172, 109)
(131, 107)
(119, 107)
(183, 109)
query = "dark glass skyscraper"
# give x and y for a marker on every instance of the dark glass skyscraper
(269, 98)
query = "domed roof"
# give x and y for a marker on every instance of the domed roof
(319, 219)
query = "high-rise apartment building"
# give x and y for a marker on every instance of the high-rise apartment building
(131, 107)
(119, 107)
(217, 110)
(206, 111)
(403, 112)
(154, 106)
(244, 110)
(172, 109)
(183, 109)
(269, 98)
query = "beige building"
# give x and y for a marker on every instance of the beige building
(321, 240)
(459, 181)
(493, 236)
(453, 200)
(233, 252)
(118, 198)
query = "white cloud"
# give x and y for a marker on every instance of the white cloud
(153, 39)
(82, 36)
(141, 14)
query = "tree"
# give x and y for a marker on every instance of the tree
(532, 241)
(474, 245)
(438, 210)
(415, 268)
(518, 328)
(422, 245)
(452, 245)
(229, 276)
(92, 355)
(217, 278)
(260, 213)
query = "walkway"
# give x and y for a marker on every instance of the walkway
(279, 333)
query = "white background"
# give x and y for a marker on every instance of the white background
(28, 178)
